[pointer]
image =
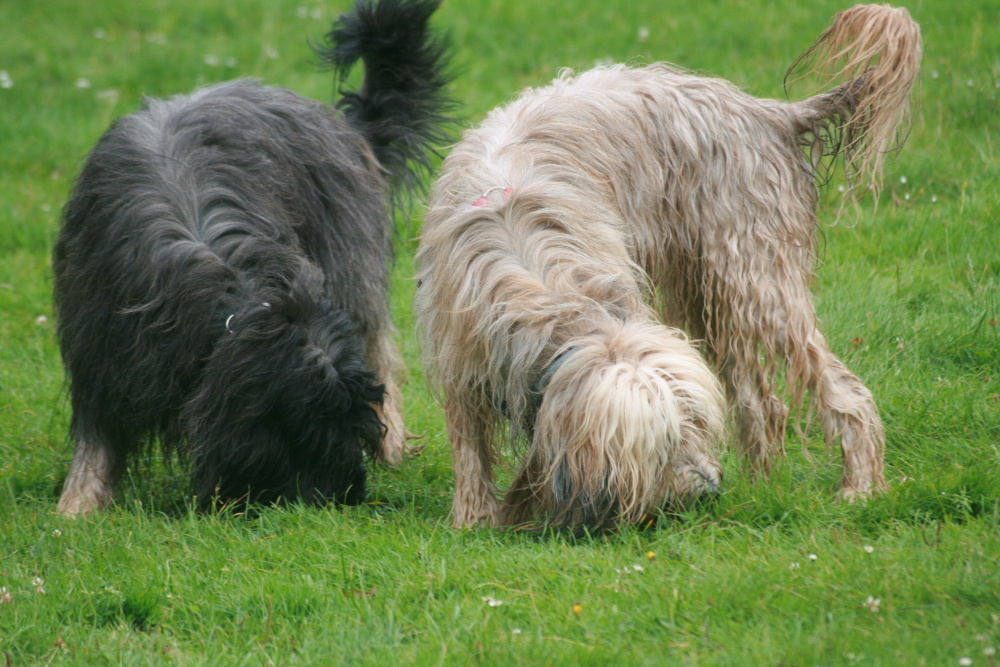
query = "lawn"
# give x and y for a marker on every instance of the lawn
(772, 573)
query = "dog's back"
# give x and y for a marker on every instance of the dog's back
(259, 178)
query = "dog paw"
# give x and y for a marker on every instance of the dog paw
(859, 490)
(396, 449)
(474, 523)
(486, 516)
(391, 451)
(76, 505)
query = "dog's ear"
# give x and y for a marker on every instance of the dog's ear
(328, 384)
(334, 348)
(334, 389)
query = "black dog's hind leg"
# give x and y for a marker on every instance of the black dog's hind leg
(96, 468)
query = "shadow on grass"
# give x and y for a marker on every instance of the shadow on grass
(141, 610)
(160, 485)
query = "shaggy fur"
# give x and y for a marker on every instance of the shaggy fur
(221, 276)
(578, 224)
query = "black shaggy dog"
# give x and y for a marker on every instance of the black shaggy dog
(221, 275)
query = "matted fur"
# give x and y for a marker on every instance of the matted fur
(560, 219)
(221, 276)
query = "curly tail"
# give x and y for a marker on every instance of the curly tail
(876, 49)
(401, 108)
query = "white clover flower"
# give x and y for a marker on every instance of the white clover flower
(516, 631)
(873, 603)
(934, 74)
(270, 52)
(5, 80)
(933, 198)
(41, 320)
(37, 581)
(212, 60)
(56, 532)
(813, 556)
(989, 651)
(869, 548)
(231, 62)
(83, 82)
(492, 601)
(902, 179)
(643, 34)
(638, 568)
(965, 661)
(793, 566)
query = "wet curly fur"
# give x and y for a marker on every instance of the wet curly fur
(221, 276)
(572, 230)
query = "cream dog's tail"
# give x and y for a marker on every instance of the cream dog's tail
(876, 51)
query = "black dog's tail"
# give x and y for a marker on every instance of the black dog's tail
(401, 108)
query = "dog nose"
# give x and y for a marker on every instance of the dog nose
(697, 481)
(708, 483)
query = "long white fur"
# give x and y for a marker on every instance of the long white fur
(585, 214)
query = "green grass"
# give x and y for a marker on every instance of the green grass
(909, 296)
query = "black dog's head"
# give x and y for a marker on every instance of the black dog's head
(285, 409)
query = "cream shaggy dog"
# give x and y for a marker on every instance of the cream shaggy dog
(577, 226)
